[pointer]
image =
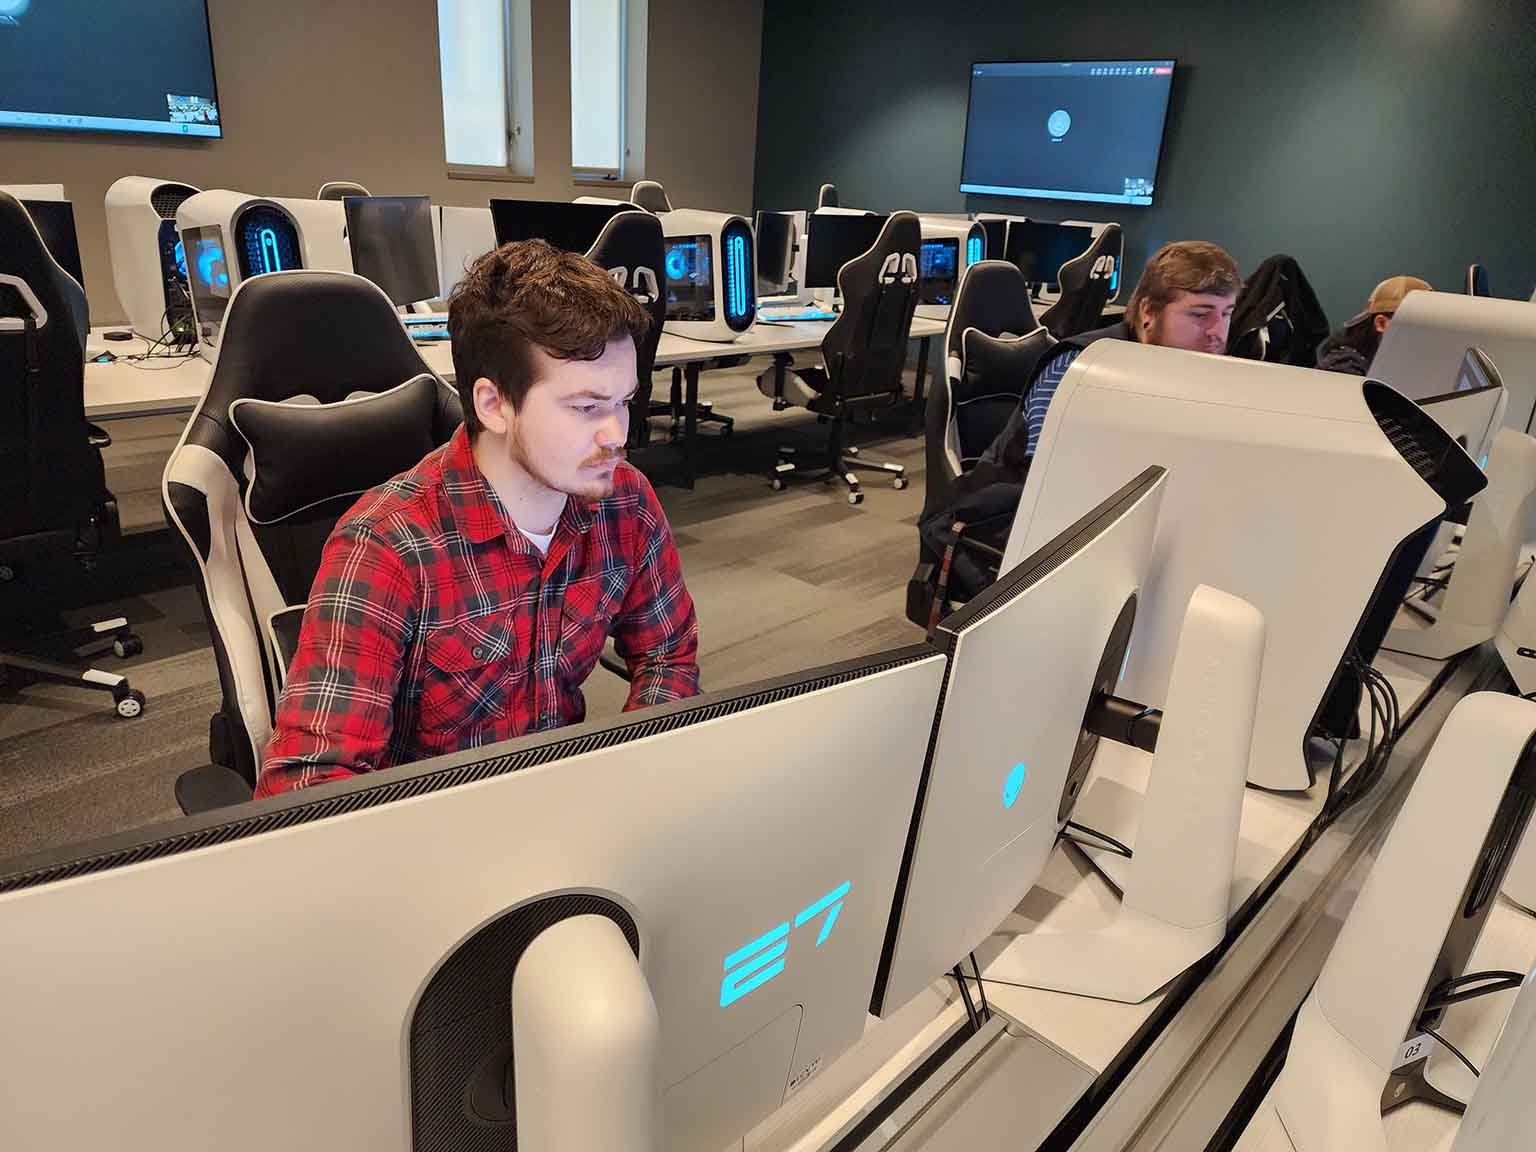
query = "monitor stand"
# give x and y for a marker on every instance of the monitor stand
(1178, 893)
(582, 1020)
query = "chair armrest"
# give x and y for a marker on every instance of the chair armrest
(209, 787)
(97, 436)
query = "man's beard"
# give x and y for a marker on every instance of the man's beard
(596, 488)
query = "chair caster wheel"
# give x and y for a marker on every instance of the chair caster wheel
(777, 483)
(130, 705)
(855, 497)
(899, 483)
(126, 646)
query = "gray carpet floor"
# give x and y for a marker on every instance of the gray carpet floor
(782, 580)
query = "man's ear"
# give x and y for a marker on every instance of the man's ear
(488, 406)
(1380, 322)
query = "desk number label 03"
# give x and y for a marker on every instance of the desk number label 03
(753, 965)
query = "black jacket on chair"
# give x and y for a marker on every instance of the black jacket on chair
(1278, 317)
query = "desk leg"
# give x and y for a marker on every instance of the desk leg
(690, 423)
(922, 371)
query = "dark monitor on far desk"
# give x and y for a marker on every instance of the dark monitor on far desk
(997, 238)
(55, 220)
(775, 232)
(392, 245)
(569, 227)
(835, 239)
(1040, 248)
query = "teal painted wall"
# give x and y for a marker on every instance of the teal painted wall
(1363, 137)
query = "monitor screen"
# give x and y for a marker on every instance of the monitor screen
(689, 266)
(86, 66)
(55, 220)
(208, 277)
(938, 265)
(1085, 130)
(392, 245)
(775, 251)
(571, 227)
(834, 240)
(1040, 248)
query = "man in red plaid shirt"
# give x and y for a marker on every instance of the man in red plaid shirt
(465, 601)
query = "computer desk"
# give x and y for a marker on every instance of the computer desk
(124, 388)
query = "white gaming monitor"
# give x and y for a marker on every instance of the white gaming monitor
(334, 968)
(1010, 754)
(1502, 1112)
(1430, 332)
(467, 234)
(1473, 410)
(1301, 492)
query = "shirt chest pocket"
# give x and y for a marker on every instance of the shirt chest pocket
(470, 670)
(587, 612)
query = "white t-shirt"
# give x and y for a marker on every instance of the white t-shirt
(540, 540)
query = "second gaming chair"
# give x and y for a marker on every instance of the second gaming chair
(54, 505)
(1085, 283)
(862, 354)
(630, 249)
(651, 196)
(1477, 280)
(992, 346)
(340, 190)
(317, 394)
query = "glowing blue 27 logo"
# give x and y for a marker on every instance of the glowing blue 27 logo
(753, 965)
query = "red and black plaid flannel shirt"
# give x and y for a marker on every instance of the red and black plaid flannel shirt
(434, 625)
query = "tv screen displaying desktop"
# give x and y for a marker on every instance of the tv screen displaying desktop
(85, 66)
(1089, 130)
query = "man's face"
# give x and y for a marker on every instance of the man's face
(569, 432)
(1194, 321)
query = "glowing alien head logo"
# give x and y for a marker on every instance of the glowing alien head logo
(1059, 123)
(1013, 785)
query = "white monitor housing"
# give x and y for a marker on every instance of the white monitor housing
(1502, 1112)
(1289, 488)
(1348, 1044)
(148, 272)
(711, 274)
(698, 942)
(464, 235)
(949, 246)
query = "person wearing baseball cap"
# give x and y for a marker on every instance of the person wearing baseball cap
(1352, 347)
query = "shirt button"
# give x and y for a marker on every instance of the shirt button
(478, 653)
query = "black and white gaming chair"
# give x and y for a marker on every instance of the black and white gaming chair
(650, 196)
(862, 354)
(340, 190)
(317, 394)
(826, 196)
(630, 249)
(1086, 283)
(992, 347)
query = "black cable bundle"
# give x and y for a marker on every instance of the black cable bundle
(1386, 716)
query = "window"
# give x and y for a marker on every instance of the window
(486, 52)
(608, 88)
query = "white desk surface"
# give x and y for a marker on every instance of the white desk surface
(1070, 896)
(146, 387)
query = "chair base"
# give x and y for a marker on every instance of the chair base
(128, 702)
(839, 466)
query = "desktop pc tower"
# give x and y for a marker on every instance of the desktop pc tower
(149, 267)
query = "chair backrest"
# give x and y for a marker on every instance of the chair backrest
(631, 250)
(50, 477)
(1086, 283)
(651, 196)
(1277, 316)
(340, 190)
(1477, 280)
(866, 346)
(826, 196)
(992, 346)
(317, 394)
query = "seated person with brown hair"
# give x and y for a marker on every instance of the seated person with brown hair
(466, 600)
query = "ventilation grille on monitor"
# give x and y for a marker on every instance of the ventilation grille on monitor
(168, 197)
(1426, 447)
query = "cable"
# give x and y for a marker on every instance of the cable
(981, 987)
(1454, 991)
(1109, 842)
(965, 994)
(1455, 1051)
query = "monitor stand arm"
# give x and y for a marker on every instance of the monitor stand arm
(1178, 893)
(586, 1041)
